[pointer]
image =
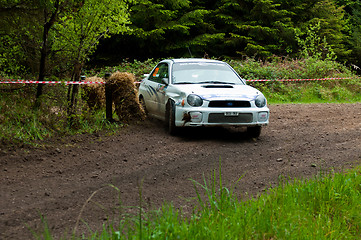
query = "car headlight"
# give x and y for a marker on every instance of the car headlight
(194, 100)
(260, 101)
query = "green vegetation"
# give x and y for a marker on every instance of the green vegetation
(253, 28)
(21, 123)
(55, 39)
(325, 207)
(65, 33)
(341, 90)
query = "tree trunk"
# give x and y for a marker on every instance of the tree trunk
(73, 91)
(44, 48)
(39, 90)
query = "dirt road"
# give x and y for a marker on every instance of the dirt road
(58, 179)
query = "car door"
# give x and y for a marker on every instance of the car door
(157, 88)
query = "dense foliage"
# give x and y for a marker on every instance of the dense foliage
(60, 30)
(234, 28)
(20, 123)
(62, 34)
(52, 40)
(55, 37)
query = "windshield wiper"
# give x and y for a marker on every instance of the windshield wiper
(216, 82)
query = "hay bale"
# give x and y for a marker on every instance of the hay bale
(94, 94)
(125, 97)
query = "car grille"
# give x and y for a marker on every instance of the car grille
(221, 118)
(229, 104)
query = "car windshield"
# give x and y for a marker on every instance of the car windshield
(204, 73)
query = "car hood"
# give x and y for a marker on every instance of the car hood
(220, 91)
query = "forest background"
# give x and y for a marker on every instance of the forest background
(261, 39)
(56, 38)
(59, 39)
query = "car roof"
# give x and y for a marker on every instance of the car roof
(185, 60)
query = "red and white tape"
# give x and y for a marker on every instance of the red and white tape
(12, 81)
(46, 82)
(294, 80)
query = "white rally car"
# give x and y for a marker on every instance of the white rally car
(202, 92)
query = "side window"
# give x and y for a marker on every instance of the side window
(160, 72)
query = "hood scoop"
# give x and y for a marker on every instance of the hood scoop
(217, 86)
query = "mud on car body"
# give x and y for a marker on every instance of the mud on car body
(202, 92)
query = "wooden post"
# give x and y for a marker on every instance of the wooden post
(108, 99)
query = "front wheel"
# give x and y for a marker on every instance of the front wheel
(171, 127)
(254, 132)
(142, 105)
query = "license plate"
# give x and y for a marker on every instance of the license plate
(230, 114)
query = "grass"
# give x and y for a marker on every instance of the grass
(329, 91)
(325, 207)
(21, 124)
(322, 208)
(340, 91)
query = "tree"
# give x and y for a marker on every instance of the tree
(227, 27)
(51, 11)
(33, 20)
(77, 35)
(332, 26)
(63, 29)
(313, 45)
(20, 37)
(353, 29)
(257, 28)
(158, 27)
(178, 28)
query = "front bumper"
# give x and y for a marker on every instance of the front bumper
(204, 116)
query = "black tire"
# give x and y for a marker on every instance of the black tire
(254, 132)
(171, 127)
(142, 104)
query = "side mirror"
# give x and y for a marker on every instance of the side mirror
(165, 81)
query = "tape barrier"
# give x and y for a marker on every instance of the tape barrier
(294, 80)
(12, 81)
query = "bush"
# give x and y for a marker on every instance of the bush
(21, 123)
(344, 90)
